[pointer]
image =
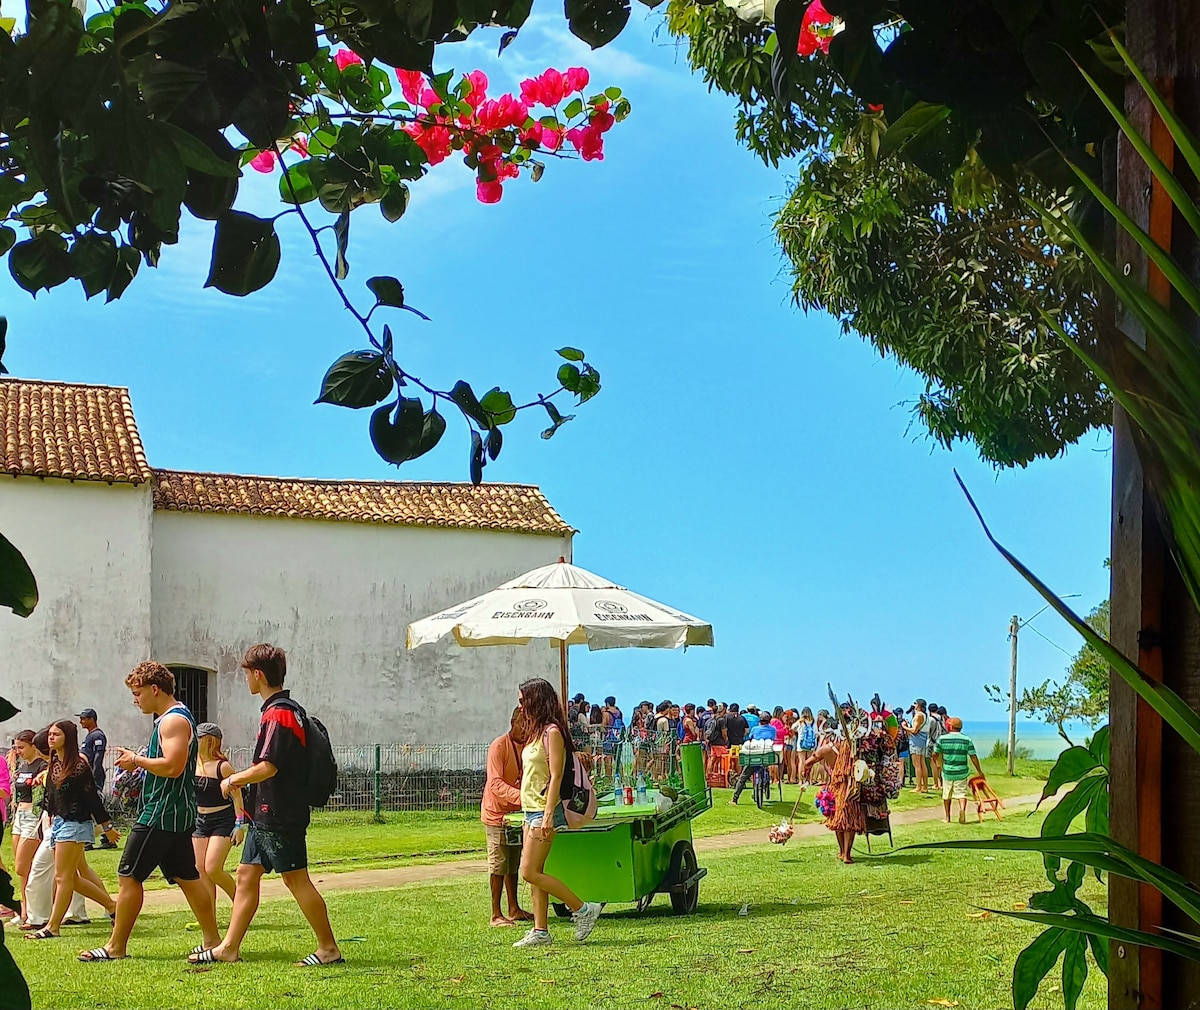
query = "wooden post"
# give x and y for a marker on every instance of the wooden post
(1013, 628)
(1153, 619)
(562, 666)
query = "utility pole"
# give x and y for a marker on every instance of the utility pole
(1013, 628)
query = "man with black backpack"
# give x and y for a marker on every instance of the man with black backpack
(290, 772)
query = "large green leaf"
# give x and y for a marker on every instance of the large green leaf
(7, 710)
(245, 253)
(1175, 712)
(915, 122)
(1074, 970)
(1072, 765)
(357, 379)
(1058, 820)
(1095, 925)
(18, 587)
(1034, 963)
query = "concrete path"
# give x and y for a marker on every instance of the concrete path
(461, 869)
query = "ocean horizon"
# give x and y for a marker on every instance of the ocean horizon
(1042, 740)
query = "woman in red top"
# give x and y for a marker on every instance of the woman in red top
(691, 729)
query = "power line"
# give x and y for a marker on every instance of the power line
(1069, 655)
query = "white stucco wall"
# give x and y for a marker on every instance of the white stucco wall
(338, 597)
(89, 546)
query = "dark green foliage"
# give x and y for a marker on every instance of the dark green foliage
(14, 993)
(18, 588)
(951, 283)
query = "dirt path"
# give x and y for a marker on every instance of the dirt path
(398, 876)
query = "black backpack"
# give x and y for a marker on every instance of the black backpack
(322, 776)
(714, 732)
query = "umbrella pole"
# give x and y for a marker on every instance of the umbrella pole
(562, 665)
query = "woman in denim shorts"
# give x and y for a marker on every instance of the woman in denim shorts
(75, 807)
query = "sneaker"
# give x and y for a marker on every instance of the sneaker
(535, 938)
(585, 919)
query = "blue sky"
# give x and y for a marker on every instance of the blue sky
(744, 462)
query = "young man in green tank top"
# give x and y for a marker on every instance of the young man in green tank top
(162, 836)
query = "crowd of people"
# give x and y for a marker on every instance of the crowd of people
(194, 808)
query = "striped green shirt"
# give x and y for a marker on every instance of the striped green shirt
(955, 749)
(170, 804)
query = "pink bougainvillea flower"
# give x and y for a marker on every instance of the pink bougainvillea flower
(264, 161)
(532, 137)
(601, 118)
(429, 98)
(434, 140)
(478, 92)
(502, 113)
(577, 78)
(489, 190)
(588, 141)
(548, 88)
(411, 84)
(346, 58)
(551, 138)
(815, 30)
(300, 145)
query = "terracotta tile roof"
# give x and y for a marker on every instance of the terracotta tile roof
(517, 507)
(60, 429)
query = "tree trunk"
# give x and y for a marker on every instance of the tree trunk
(1155, 784)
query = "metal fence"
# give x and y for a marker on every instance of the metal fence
(375, 780)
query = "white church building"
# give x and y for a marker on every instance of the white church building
(190, 569)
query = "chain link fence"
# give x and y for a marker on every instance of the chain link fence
(378, 779)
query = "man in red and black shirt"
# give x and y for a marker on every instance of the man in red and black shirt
(277, 806)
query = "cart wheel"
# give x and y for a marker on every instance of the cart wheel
(643, 902)
(561, 910)
(683, 866)
(761, 790)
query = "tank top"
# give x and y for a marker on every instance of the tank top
(208, 791)
(27, 771)
(535, 774)
(170, 804)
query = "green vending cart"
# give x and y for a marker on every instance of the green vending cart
(631, 853)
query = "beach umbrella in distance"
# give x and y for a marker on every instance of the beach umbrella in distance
(565, 605)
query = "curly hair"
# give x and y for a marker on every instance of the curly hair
(151, 674)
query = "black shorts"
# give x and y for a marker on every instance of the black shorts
(276, 851)
(219, 823)
(170, 851)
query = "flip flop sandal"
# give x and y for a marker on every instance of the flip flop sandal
(42, 934)
(99, 954)
(205, 956)
(198, 949)
(313, 961)
(32, 927)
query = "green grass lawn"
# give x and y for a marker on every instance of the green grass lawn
(816, 934)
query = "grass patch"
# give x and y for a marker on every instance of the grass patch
(816, 934)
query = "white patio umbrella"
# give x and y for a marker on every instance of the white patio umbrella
(567, 605)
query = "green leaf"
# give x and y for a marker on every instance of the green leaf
(196, 154)
(557, 420)
(1074, 970)
(477, 458)
(915, 122)
(597, 22)
(1096, 818)
(571, 353)
(1174, 710)
(1099, 747)
(1095, 925)
(568, 378)
(1099, 947)
(574, 108)
(93, 261)
(298, 184)
(128, 262)
(1072, 765)
(245, 254)
(292, 30)
(18, 587)
(8, 238)
(7, 710)
(357, 379)
(499, 406)
(394, 202)
(463, 396)
(613, 93)
(494, 442)
(40, 262)
(397, 438)
(1058, 820)
(1034, 963)
(387, 291)
(433, 427)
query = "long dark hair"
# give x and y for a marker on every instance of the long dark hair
(542, 709)
(62, 770)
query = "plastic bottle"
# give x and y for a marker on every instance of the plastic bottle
(642, 795)
(618, 794)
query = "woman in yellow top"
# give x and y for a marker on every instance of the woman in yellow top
(544, 762)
